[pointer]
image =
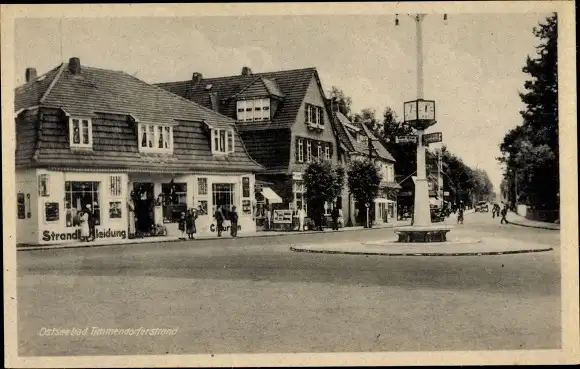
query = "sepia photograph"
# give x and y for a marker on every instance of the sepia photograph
(388, 183)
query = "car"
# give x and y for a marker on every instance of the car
(482, 206)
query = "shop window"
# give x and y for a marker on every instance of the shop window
(20, 206)
(79, 195)
(155, 138)
(223, 196)
(222, 141)
(115, 211)
(43, 183)
(51, 212)
(115, 186)
(80, 132)
(174, 201)
(202, 186)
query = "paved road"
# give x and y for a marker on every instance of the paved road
(256, 296)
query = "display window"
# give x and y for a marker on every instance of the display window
(77, 196)
(223, 196)
(174, 201)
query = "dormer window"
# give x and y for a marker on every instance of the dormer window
(80, 132)
(253, 110)
(222, 141)
(155, 138)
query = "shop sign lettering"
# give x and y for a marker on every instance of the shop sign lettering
(76, 235)
(213, 228)
(283, 216)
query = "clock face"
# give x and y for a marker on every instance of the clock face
(426, 110)
(410, 111)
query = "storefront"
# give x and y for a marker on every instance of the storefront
(49, 203)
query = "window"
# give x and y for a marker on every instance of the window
(308, 151)
(80, 132)
(20, 206)
(43, 189)
(174, 201)
(77, 196)
(223, 195)
(202, 186)
(319, 150)
(115, 186)
(222, 141)
(327, 152)
(314, 114)
(155, 138)
(300, 150)
(253, 110)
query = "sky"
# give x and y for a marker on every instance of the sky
(472, 62)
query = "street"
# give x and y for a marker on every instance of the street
(254, 295)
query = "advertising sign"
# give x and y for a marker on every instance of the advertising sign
(406, 139)
(283, 216)
(432, 138)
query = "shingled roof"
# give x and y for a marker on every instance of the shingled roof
(289, 85)
(103, 94)
(350, 142)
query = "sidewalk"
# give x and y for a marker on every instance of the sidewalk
(137, 241)
(519, 220)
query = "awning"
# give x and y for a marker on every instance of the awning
(272, 196)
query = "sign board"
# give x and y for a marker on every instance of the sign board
(432, 138)
(445, 193)
(406, 139)
(282, 216)
(296, 176)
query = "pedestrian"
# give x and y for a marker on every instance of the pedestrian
(190, 223)
(91, 222)
(182, 226)
(268, 216)
(503, 215)
(301, 217)
(234, 222)
(334, 215)
(219, 219)
(460, 215)
(84, 222)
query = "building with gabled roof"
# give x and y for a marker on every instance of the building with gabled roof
(357, 141)
(282, 118)
(94, 137)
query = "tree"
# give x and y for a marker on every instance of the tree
(530, 152)
(344, 103)
(323, 185)
(405, 154)
(367, 116)
(363, 182)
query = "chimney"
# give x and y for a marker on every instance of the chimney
(30, 74)
(196, 78)
(74, 66)
(246, 71)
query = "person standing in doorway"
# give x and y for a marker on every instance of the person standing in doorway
(234, 222)
(219, 219)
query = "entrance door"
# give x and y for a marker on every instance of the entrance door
(144, 200)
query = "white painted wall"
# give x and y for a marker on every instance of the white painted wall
(27, 229)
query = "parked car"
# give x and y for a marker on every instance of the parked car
(482, 206)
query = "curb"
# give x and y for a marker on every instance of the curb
(533, 226)
(264, 234)
(421, 254)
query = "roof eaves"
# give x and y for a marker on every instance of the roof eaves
(51, 86)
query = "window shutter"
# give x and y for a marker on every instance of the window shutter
(306, 113)
(297, 150)
(214, 140)
(230, 141)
